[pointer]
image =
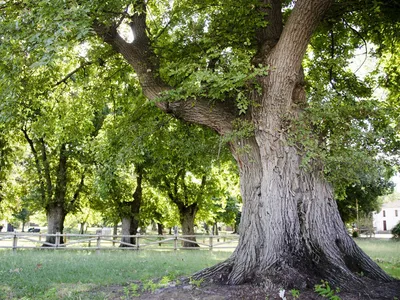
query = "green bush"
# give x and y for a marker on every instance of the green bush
(355, 234)
(396, 231)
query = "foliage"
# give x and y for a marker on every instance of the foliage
(396, 231)
(347, 113)
(325, 290)
(295, 293)
(56, 113)
(23, 216)
(363, 196)
(189, 163)
(196, 283)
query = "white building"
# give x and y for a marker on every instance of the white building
(388, 217)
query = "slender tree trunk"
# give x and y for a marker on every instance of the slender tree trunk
(55, 210)
(160, 231)
(215, 228)
(237, 222)
(187, 215)
(82, 228)
(153, 226)
(160, 228)
(115, 232)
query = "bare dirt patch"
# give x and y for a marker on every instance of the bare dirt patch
(212, 291)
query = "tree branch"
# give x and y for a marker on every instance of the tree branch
(37, 163)
(297, 33)
(78, 190)
(140, 55)
(61, 182)
(46, 165)
(70, 74)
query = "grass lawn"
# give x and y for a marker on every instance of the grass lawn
(385, 252)
(49, 274)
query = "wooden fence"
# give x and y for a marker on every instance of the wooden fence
(98, 242)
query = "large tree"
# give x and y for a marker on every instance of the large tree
(294, 233)
(236, 67)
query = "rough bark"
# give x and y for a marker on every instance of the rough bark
(291, 231)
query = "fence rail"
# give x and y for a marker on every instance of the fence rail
(99, 242)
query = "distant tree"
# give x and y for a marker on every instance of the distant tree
(363, 197)
(23, 216)
(185, 170)
(57, 114)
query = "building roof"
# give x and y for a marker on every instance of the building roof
(393, 204)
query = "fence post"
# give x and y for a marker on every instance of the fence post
(211, 242)
(176, 240)
(98, 244)
(15, 241)
(57, 240)
(137, 241)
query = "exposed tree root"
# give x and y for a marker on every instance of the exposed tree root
(302, 278)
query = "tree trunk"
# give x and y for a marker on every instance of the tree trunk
(55, 210)
(160, 232)
(55, 222)
(130, 222)
(215, 229)
(291, 233)
(115, 232)
(128, 228)
(187, 215)
(160, 228)
(82, 228)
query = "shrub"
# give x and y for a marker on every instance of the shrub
(396, 231)
(355, 234)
